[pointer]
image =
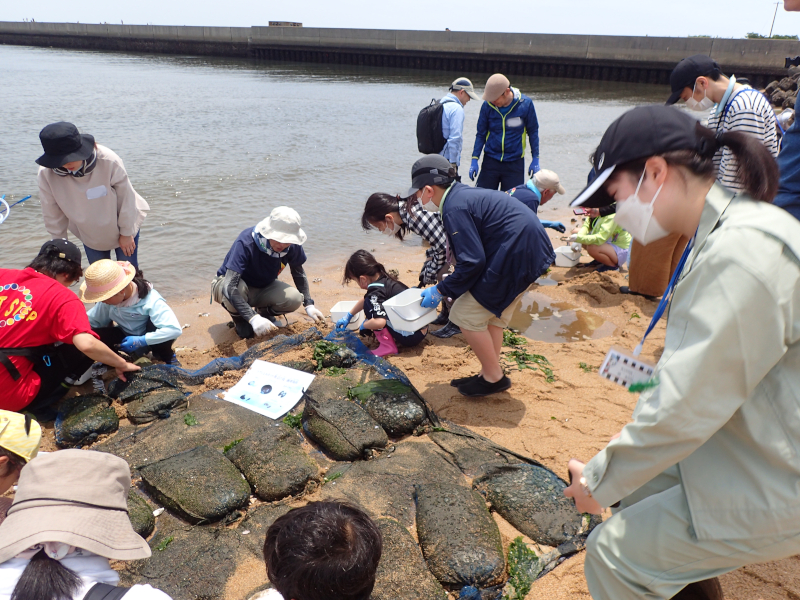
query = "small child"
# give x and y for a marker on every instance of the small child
(123, 296)
(322, 551)
(605, 241)
(372, 276)
(19, 443)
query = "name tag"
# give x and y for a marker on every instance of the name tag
(626, 370)
(96, 192)
(514, 122)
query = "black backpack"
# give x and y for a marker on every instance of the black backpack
(430, 139)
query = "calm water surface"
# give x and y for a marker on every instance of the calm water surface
(215, 144)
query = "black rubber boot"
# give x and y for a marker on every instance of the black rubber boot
(243, 329)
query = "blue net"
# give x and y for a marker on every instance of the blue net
(387, 370)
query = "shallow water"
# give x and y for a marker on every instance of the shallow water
(215, 144)
(541, 319)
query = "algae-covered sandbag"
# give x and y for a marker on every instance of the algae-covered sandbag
(459, 538)
(471, 452)
(531, 498)
(342, 428)
(200, 485)
(402, 572)
(140, 514)
(155, 405)
(139, 383)
(273, 461)
(392, 404)
(82, 419)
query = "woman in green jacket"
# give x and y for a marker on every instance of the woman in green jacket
(706, 477)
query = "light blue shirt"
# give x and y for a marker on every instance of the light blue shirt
(724, 102)
(452, 128)
(133, 319)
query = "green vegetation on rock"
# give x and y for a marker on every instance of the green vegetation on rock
(294, 421)
(229, 446)
(521, 561)
(189, 419)
(164, 543)
(335, 371)
(323, 349)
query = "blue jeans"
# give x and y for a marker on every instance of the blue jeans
(507, 174)
(93, 255)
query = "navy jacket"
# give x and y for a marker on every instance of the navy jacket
(501, 131)
(789, 162)
(499, 244)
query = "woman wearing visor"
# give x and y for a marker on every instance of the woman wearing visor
(706, 477)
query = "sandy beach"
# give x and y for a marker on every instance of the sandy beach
(574, 416)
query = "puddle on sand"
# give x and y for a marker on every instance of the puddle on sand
(541, 319)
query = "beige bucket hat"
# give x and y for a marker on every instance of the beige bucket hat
(76, 497)
(283, 226)
(105, 278)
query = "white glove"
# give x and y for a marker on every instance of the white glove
(315, 313)
(262, 326)
(573, 237)
(575, 247)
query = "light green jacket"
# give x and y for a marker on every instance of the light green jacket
(727, 408)
(600, 230)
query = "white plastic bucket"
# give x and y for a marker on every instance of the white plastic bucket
(567, 257)
(340, 309)
(406, 312)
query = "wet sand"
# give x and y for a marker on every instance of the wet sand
(574, 416)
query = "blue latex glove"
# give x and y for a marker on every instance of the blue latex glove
(473, 169)
(362, 328)
(431, 297)
(534, 168)
(557, 225)
(344, 321)
(133, 343)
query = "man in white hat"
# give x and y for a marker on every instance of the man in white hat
(461, 91)
(247, 284)
(539, 190)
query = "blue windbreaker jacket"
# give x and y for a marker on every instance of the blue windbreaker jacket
(789, 163)
(501, 131)
(499, 245)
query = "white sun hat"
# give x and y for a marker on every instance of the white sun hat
(283, 226)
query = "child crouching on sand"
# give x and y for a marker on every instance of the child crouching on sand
(605, 241)
(372, 276)
(322, 551)
(144, 321)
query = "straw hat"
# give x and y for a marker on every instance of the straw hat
(105, 278)
(283, 226)
(75, 497)
(19, 434)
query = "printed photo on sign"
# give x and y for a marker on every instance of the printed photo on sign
(269, 389)
(624, 369)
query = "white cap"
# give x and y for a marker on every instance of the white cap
(283, 226)
(548, 180)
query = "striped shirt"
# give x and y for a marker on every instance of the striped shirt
(747, 111)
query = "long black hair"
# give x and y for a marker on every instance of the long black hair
(379, 205)
(361, 263)
(756, 169)
(46, 579)
(142, 285)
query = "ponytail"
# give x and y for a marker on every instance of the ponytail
(361, 263)
(142, 285)
(46, 579)
(756, 169)
(378, 206)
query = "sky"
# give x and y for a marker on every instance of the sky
(675, 18)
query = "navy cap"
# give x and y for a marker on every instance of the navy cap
(62, 249)
(687, 71)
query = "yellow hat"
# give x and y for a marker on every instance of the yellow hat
(19, 434)
(105, 278)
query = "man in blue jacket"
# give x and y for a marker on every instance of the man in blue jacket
(539, 190)
(453, 104)
(500, 248)
(505, 119)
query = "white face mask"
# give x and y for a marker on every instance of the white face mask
(429, 205)
(390, 230)
(637, 217)
(703, 105)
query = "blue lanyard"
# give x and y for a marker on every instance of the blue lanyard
(665, 299)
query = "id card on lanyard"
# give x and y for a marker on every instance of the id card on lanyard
(628, 370)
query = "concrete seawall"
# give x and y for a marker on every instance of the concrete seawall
(618, 58)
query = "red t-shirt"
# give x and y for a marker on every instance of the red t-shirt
(34, 310)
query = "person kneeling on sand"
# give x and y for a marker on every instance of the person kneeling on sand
(371, 276)
(605, 241)
(322, 551)
(704, 479)
(500, 249)
(247, 283)
(19, 443)
(69, 517)
(144, 320)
